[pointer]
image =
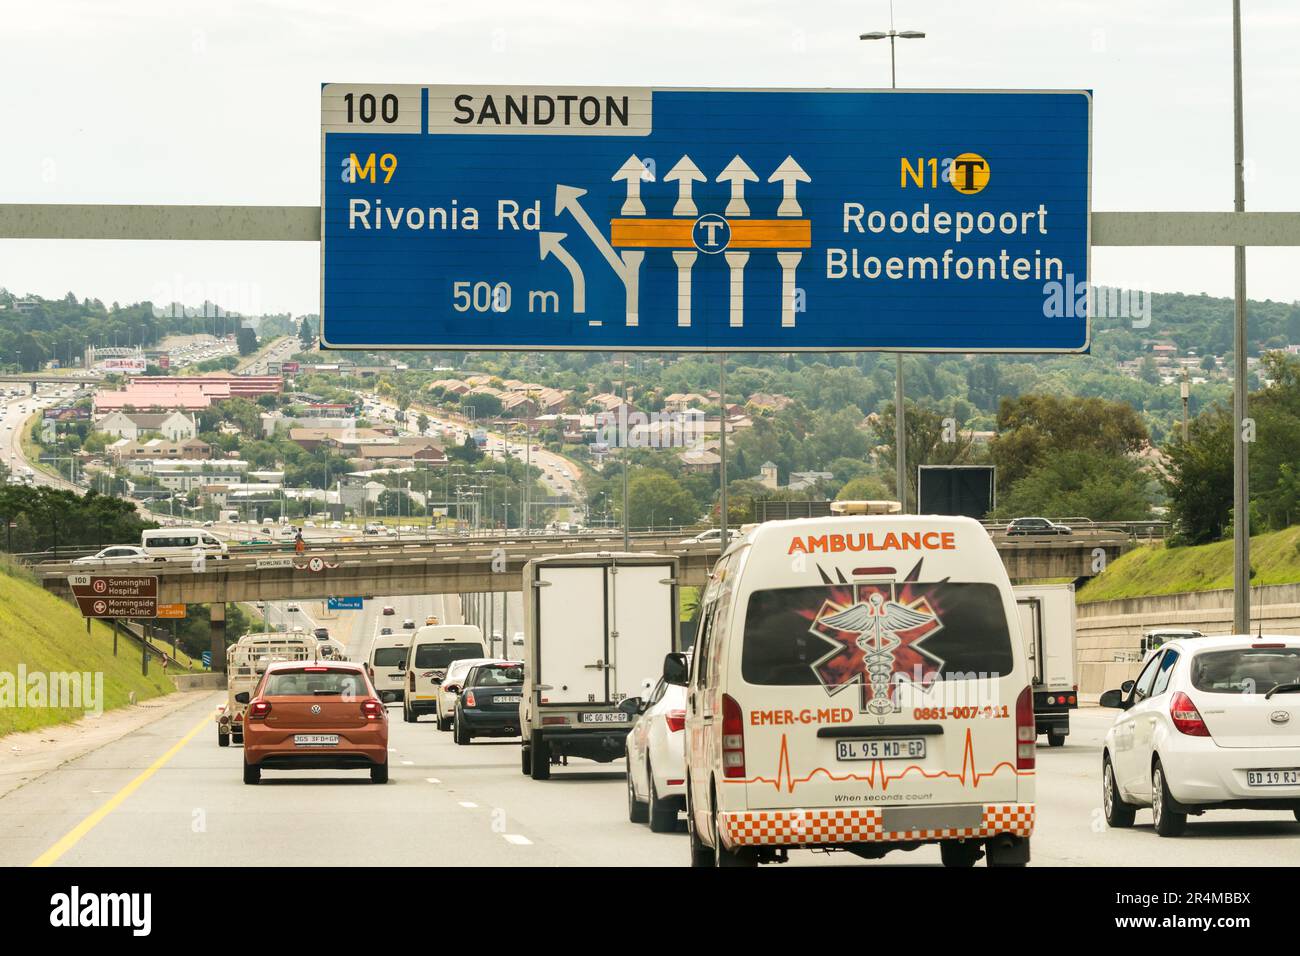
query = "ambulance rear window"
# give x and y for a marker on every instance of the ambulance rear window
(827, 634)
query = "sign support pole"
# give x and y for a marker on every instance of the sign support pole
(722, 450)
(1240, 459)
(622, 433)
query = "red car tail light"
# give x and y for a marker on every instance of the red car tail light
(733, 738)
(469, 699)
(551, 721)
(1186, 717)
(676, 720)
(1026, 730)
(258, 709)
(372, 709)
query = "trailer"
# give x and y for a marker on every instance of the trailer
(1047, 629)
(595, 627)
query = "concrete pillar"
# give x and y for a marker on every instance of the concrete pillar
(217, 618)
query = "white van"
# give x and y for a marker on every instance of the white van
(858, 683)
(433, 648)
(163, 544)
(388, 665)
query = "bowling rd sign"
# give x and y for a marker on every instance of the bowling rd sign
(473, 217)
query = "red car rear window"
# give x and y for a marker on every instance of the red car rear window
(318, 682)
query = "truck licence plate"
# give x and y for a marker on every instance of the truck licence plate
(895, 748)
(614, 717)
(316, 740)
(1273, 778)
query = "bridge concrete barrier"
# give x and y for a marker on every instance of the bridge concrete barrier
(460, 566)
(1109, 632)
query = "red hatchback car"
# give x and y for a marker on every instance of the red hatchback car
(322, 715)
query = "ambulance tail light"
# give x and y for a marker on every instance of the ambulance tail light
(733, 739)
(1026, 730)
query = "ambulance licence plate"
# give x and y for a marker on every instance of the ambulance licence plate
(885, 748)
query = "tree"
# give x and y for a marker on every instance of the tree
(864, 488)
(422, 423)
(932, 439)
(655, 499)
(1033, 427)
(246, 340)
(485, 404)
(1101, 487)
(306, 334)
(1199, 478)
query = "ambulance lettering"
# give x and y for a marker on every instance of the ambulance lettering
(870, 541)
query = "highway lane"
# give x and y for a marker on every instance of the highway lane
(451, 805)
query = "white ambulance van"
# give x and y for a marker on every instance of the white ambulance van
(858, 683)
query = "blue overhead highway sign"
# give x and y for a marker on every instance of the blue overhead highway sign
(344, 604)
(776, 220)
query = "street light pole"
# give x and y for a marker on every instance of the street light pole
(900, 424)
(1240, 460)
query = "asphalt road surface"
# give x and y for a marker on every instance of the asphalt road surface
(167, 795)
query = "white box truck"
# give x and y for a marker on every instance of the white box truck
(595, 627)
(1047, 628)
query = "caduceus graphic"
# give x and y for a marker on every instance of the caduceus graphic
(877, 622)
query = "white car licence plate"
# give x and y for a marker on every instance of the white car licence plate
(1273, 778)
(611, 717)
(316, 740)
(884, 748)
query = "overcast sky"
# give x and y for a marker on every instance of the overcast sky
(170, 101)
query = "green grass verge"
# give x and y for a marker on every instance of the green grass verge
(32, 449)
(45, 634)
(1155, 569)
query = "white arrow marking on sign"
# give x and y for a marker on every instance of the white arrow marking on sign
(631, 281)
(737, 260)
(549, 243)
(789, 173)
(737, 173)
(685, 262)
(684, 173)
(789, 262)
(566, 198)
(633, 171)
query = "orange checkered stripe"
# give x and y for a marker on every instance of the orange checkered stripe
(813, 827)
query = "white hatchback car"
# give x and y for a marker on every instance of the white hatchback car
(656, 764)
(1210, 723)
(452, 684)
(117, 554)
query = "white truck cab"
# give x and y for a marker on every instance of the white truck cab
(859, 683)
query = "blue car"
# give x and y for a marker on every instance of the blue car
(488, 705)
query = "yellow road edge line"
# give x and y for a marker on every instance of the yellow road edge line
(70, 839)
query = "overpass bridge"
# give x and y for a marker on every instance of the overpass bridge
(482, 565)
